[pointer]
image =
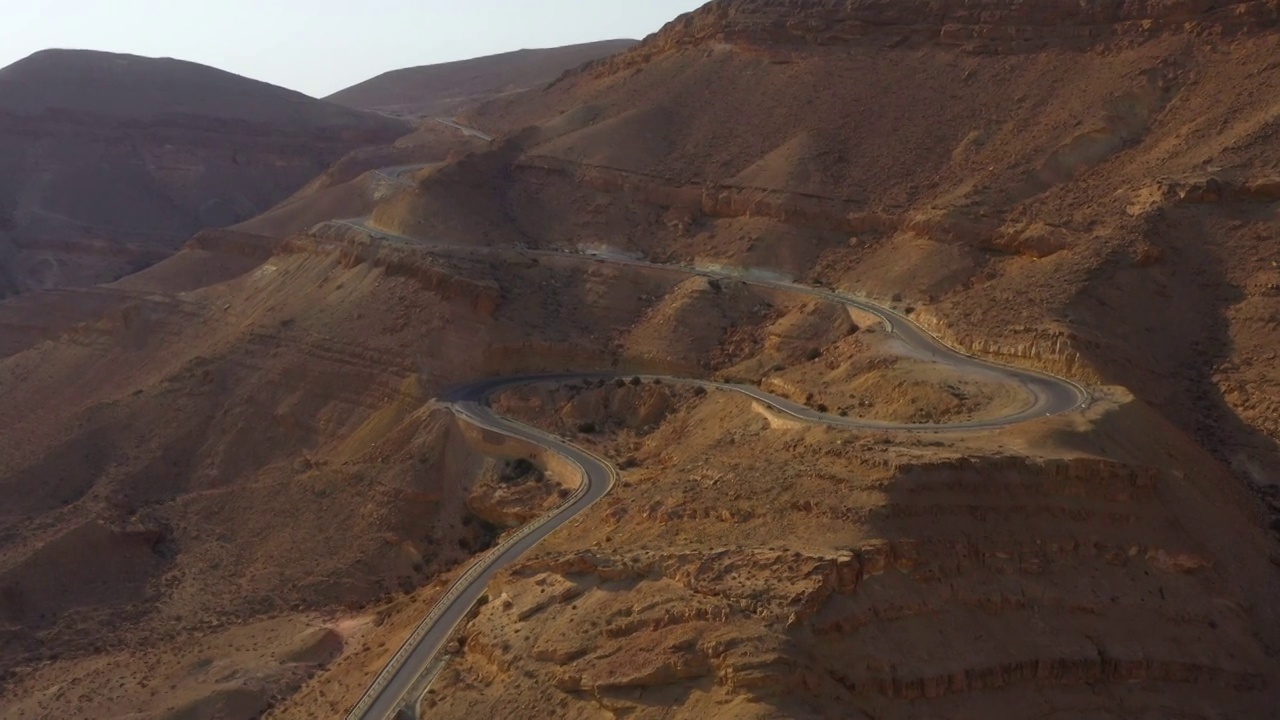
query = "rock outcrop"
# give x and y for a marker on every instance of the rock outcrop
(887, 582)
(979, 26)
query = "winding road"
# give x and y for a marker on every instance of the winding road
(395, 174)
(472, 132)
(398, 689)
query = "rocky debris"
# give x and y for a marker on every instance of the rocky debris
(952, 226)
(1034, 240)
(801, 584)
(1214, 189)
(632, 406)
(511, 493)
(660, 661)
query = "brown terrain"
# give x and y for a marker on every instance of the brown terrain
(446, 88)
(112, 161)
(231, 491)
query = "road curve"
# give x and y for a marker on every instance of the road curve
(1051, 394)
(472, 132)
(399, 681)
(395, 174)
(402, 682)
(391, 689)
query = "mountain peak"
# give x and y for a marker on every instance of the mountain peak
(136, 87)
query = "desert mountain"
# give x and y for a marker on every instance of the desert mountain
(232, 490)
(1086, 188)
(1033, 162)
(445, 88)
(112, 161)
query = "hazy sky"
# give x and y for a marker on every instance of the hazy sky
(321, 46)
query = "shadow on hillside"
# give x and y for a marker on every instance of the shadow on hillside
(1169, 331)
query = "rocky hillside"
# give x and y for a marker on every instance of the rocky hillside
(113, 161)
(974, 26)
(903, 577)
(239, 436)
(229, 483)
(1083, 186)
(443, 89)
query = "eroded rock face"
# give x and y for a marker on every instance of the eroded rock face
(694, 200)
(1213, 189)
(511, 493)
(949, 608)
(978, 25)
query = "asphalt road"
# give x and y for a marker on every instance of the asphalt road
(392, 688)
(465, 130)
(396, 174)
(399, 687)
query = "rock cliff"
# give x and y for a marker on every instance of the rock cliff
(982, 26)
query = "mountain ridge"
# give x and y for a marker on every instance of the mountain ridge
(444, 87)
(121, 85)
(112, 161)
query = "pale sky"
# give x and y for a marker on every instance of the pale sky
(321, 46)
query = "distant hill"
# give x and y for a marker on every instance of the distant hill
(112, 161)
(444, 88)
(129, 86)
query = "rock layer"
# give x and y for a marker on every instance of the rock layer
(981, 26)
